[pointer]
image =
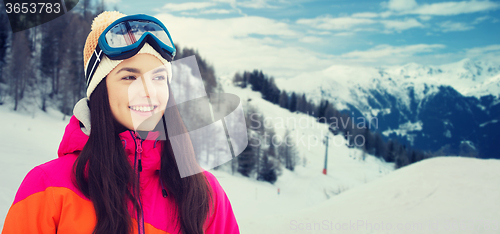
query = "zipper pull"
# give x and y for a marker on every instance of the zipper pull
(139, 151)
(139, 145)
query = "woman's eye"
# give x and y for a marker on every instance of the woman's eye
(128, 78)
(159, 78)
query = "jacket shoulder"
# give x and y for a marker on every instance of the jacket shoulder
(55, 173)
(48, 202)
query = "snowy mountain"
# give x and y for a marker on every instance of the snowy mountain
(452, 106)
(437, 195)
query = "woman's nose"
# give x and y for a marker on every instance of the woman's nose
(143, 86)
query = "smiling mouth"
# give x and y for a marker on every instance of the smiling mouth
(143, 108)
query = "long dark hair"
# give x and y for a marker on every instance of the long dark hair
(104, 175)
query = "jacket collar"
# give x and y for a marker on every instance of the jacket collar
(77, 134)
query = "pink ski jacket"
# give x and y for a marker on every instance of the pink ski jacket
(49, 202)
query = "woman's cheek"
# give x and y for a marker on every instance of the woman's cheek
(163, 95)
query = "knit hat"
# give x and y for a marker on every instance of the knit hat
(106, 65)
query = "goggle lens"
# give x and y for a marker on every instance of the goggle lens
(128, 32)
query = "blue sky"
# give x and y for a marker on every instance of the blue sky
(290, 37)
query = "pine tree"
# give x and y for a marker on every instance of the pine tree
(246, 79)
(302, 103)
(369, 146)
(283, 102)
(238, 80)
(311, 109)
(20, 71)
(379, 145)
(207, 71)
(322, 109)
(272, 91)
(269, 165)
(389, 155)
(401, 157)
(5, 33)
(246, 160)
(287, 151)
(293, 103)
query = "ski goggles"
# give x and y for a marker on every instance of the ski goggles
(123, 38)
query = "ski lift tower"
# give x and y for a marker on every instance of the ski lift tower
(326, 152)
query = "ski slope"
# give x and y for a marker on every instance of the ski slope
(438, 195)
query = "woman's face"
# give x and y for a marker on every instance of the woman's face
(138, 91)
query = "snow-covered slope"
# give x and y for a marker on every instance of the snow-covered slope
(305, 186)
(27, 140)
(438, 195)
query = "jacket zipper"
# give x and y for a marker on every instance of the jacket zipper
(138, 162)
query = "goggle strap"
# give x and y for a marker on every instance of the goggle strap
(95, 59)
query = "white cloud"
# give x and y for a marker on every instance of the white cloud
(441, 8)
(343, 34)
(187, 6)
(450, 26)
(491, 53)
(315, 32)
(330, 23)
(480, 19)
(401, 5)
(401, 25)
(256, 4)
(231, 44)
(216, 11)
(425, 17)
(355, 24)
(474, 52)
(393, 52)
(454, 8)
(311, 40)
(204, 12)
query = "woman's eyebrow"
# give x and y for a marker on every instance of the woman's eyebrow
(161, 69)
(129, 69)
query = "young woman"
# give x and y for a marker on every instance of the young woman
(115, 172)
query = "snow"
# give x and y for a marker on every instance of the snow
(352, 84)
(384, 111)
(438, 195)
(489, 86)
(438, 189)
(27, 140)
(404, 128)
(488, 122)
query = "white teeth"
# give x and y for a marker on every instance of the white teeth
(142, 108)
